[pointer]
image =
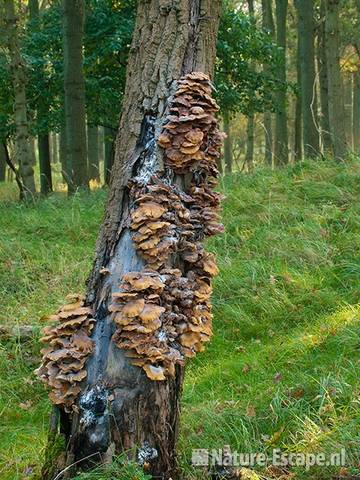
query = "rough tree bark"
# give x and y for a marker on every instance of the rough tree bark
(268, 24)
(109, 151)
(119, 407)
(228, 157)
(298, 150)
(93, 152)
(323, 81)
(22, 138)
(249, 155)
(74, 87)
(281, 149)
(335, 90)
(306, 35)
(2, 162)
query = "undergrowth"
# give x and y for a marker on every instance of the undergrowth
(283, 368)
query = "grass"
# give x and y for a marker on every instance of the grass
(283, 368)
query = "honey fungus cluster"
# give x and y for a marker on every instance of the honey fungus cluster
(69, 346)
(163, 314)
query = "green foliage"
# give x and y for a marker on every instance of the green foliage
(119, 469)
(282, 368)
(108, 31)
(243, 50)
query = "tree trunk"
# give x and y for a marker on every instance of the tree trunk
(306, 35)
(356, 111)
(227, 143)
(54, 148)
(249, 156)
(268, 24)
(93, 153)
(348, 106)
(119, 407)
(74, 86)
(298, 150)
(2, 163)
(109, 151)
(323, 80)
(281, 152)
(22, 138)
(45, 164)
(336, 102)
(63, 154)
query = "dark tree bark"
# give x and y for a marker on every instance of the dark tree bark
(2, 162)
(93, 152)
(63, 154)
(74, 87)
(298, 150)
(323, 81)
(249, 155)
(228, 156)
(281, 149)
(43, 137)
(54, 148)
(356, 111)
(109, 152)
(119, 407)
(45, 164)
(335, 90)
(268, 24)
(306, 35)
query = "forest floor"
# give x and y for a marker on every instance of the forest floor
(282, 370)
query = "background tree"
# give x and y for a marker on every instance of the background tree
(268, 25)
(74, 87)
(21, 126)
(306, 35)
(281, 148)
(335, 92)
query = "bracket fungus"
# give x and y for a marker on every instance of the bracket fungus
(163, 314)
(69, 346)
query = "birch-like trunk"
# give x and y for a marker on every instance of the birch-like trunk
(24, 155)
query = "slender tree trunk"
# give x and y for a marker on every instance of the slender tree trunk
(93, 153)
(43, 137)
(348, 106)
(74, 86)
(227, 143)
(119, 407)
(281, 152)
(63, 154)
(306, 35)
(323, 81)
(109, 151)
(298, 150)
(335, 95)
(268, 24)
(356, 111)
(2, 162)
(45, 164)
(22, 137)
(54, 148)
(249, 156)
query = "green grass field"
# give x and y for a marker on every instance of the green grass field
(283, 368)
